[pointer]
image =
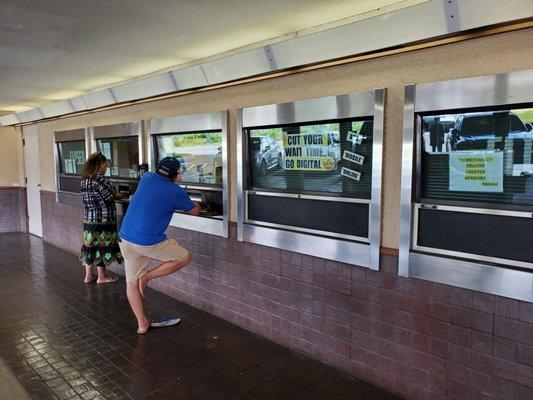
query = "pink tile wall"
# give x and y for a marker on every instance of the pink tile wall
(62, 223)
(13, 210)
(420, 339)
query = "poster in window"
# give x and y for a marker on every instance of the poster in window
(307, 152)
(476, 171)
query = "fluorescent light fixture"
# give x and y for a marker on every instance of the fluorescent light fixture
(30, 115)
(59, 108)
(99, 99)
(10, 119)
(188, 78)
(78, 103)
(253, 62)
(148, 87)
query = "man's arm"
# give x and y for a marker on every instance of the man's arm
(196, 210)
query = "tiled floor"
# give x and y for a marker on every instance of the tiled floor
(64, 339)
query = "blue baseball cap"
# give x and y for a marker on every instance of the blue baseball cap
(169, 167)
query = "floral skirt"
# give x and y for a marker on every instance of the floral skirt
(100, 244)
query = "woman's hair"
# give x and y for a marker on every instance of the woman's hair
(92, 165)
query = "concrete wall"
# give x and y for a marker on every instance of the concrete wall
(11, 159)
(470, 58)
(12, 191)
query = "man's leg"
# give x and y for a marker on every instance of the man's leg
(136, 304)
(134, 266)
(164, 269)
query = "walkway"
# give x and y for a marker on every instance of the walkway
(64, 339)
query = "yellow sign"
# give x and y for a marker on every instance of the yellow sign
(307, 152)
(476, 171)
(305, 139)
(309, 164)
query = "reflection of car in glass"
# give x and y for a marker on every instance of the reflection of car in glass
(266, 153)
(492, 130)
(473, 131)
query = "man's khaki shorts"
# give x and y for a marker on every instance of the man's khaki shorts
(137, 257)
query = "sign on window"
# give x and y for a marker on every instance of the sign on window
(476, 171)
(307, 152)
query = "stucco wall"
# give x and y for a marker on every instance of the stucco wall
(489, 55)
(11, 161)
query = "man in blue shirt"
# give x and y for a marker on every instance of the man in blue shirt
(143, 233)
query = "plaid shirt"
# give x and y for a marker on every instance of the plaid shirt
(97, 196)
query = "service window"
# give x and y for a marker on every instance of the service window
(199, 153)
(122, 154)
(310, 180)
(332, 158)
(478, 158)
(312, 177)
(467, 184)
(72, 157)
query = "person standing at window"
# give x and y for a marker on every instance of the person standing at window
(100, 240)
(143, 238)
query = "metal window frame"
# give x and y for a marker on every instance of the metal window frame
(343, 248)
(127, 129)
(440, 265)
(65, 197)
(196, 122)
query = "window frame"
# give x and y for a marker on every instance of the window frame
(155, 146)
(347, 106)
(195, 123)
(509, 91)
(119, 177)
(248, 173)
(418, 146)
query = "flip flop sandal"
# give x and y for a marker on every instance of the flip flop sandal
(91, 281)
(165, 321)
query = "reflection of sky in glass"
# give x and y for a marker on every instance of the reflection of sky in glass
(200, 155)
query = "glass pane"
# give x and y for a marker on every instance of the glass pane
(329, 157)
(122, 155)
(479, 156)
(72, 157)
(200, 155)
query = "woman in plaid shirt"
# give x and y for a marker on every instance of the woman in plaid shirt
(100, 239)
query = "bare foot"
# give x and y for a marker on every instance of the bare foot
(143, 328)
(107, 279)
(90, 278)
(143, 282)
